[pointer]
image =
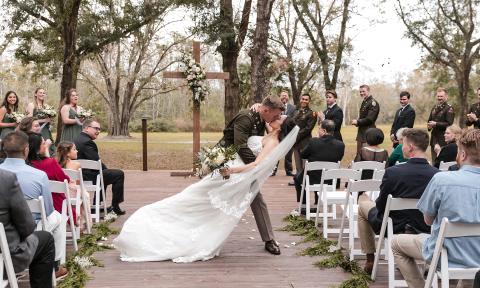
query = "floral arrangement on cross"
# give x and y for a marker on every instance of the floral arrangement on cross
(195, 75)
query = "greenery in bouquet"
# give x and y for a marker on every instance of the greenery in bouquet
(213, 158)
(47, 112)
(16, 116)
(85, 113)
(195, 79)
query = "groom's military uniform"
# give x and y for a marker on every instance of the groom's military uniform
(245, 124)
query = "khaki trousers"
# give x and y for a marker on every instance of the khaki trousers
(260, 212)
(365, 231)
(406, 249)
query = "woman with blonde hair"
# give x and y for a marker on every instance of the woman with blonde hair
(448, 152)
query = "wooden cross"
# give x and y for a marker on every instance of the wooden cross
(196, 105)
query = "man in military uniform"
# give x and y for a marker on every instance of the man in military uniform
(440, 118)
(245, 124)
(473, 116)
(305, 119)
(367, 116)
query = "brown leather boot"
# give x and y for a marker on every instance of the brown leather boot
(369, 264)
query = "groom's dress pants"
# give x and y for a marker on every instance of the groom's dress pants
(260, 212)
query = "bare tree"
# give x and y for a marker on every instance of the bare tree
(288, 44)
(318, 17)
(129, 70)
(448, 31)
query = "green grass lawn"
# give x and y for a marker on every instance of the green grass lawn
(173, 151)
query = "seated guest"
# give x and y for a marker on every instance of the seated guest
(372, 152)
(401, 181)
(67, 154)
(454, 195)
(30, 249)
(36, 158)
(397, 154)
(87, 149)
(34, 183)
(31, 125)
(324, 148)
(448, 152)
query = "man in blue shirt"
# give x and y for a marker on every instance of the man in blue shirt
(34, 183)
(455, 195)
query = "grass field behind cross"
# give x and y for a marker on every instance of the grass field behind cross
(173, 151)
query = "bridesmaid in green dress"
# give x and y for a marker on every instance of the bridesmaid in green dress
(72, 123)
(34, 109)
(9, 105)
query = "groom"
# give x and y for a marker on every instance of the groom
(250, 123)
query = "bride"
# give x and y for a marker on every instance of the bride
(194, 224)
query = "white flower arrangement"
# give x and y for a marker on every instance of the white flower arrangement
(84, 113)
(210, 159)
(111, 216)
(195, 76)
(16, 116)
(83, 261)
(47, 112)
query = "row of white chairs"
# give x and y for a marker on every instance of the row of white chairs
(38, 206)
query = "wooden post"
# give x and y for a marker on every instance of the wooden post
(144, 143)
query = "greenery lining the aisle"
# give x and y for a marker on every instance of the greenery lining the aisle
(78, 262)
(324, 247)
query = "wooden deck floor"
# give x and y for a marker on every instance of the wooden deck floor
(243, 261)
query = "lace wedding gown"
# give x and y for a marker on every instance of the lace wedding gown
(193, 224)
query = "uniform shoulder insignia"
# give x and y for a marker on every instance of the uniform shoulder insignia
(374, 103)
(450, 110)
(314, 114)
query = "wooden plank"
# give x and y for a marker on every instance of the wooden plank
(174, 74)
(209, 75)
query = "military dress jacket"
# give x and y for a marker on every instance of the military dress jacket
(305, 119)
(443, 115)
(245, 124)
(367, 116)
(475, 109)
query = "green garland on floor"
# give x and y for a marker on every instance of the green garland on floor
(78, 262)
(324, 247)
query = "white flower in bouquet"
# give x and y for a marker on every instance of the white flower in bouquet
(85, 113)
(190, 77)
(219, 159)
(16, 116)
(83, 261)
(211, 159)
(47, 112)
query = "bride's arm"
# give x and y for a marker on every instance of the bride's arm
(268, 147)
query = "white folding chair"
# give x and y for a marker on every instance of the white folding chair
(378, 174)
(307, 187)
(445, 165)
(7, 261)
(76, 175)
(38, 206)
(393, 204)
(450, 230)
(368, 165)
(350, 206)
(329, 195)
(62, 187)
(98, 188)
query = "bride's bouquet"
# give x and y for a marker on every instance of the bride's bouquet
(16, 116)
(47, 112)
(85, 113)
(213, 158)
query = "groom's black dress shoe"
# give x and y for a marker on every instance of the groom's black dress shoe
(272, 247)
(116, 209)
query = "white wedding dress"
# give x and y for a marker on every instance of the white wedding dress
(193, 224)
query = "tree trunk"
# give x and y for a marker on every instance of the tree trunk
(463, 82)
(71, 61)
(232, 85)
(259, 52)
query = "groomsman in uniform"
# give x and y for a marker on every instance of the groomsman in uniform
(440, 118)
(289, 110)
(404, 117)
(305, 119)
(367, 116)
(473, 116)
(333, 112)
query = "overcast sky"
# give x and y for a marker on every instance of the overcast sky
(381, 44)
